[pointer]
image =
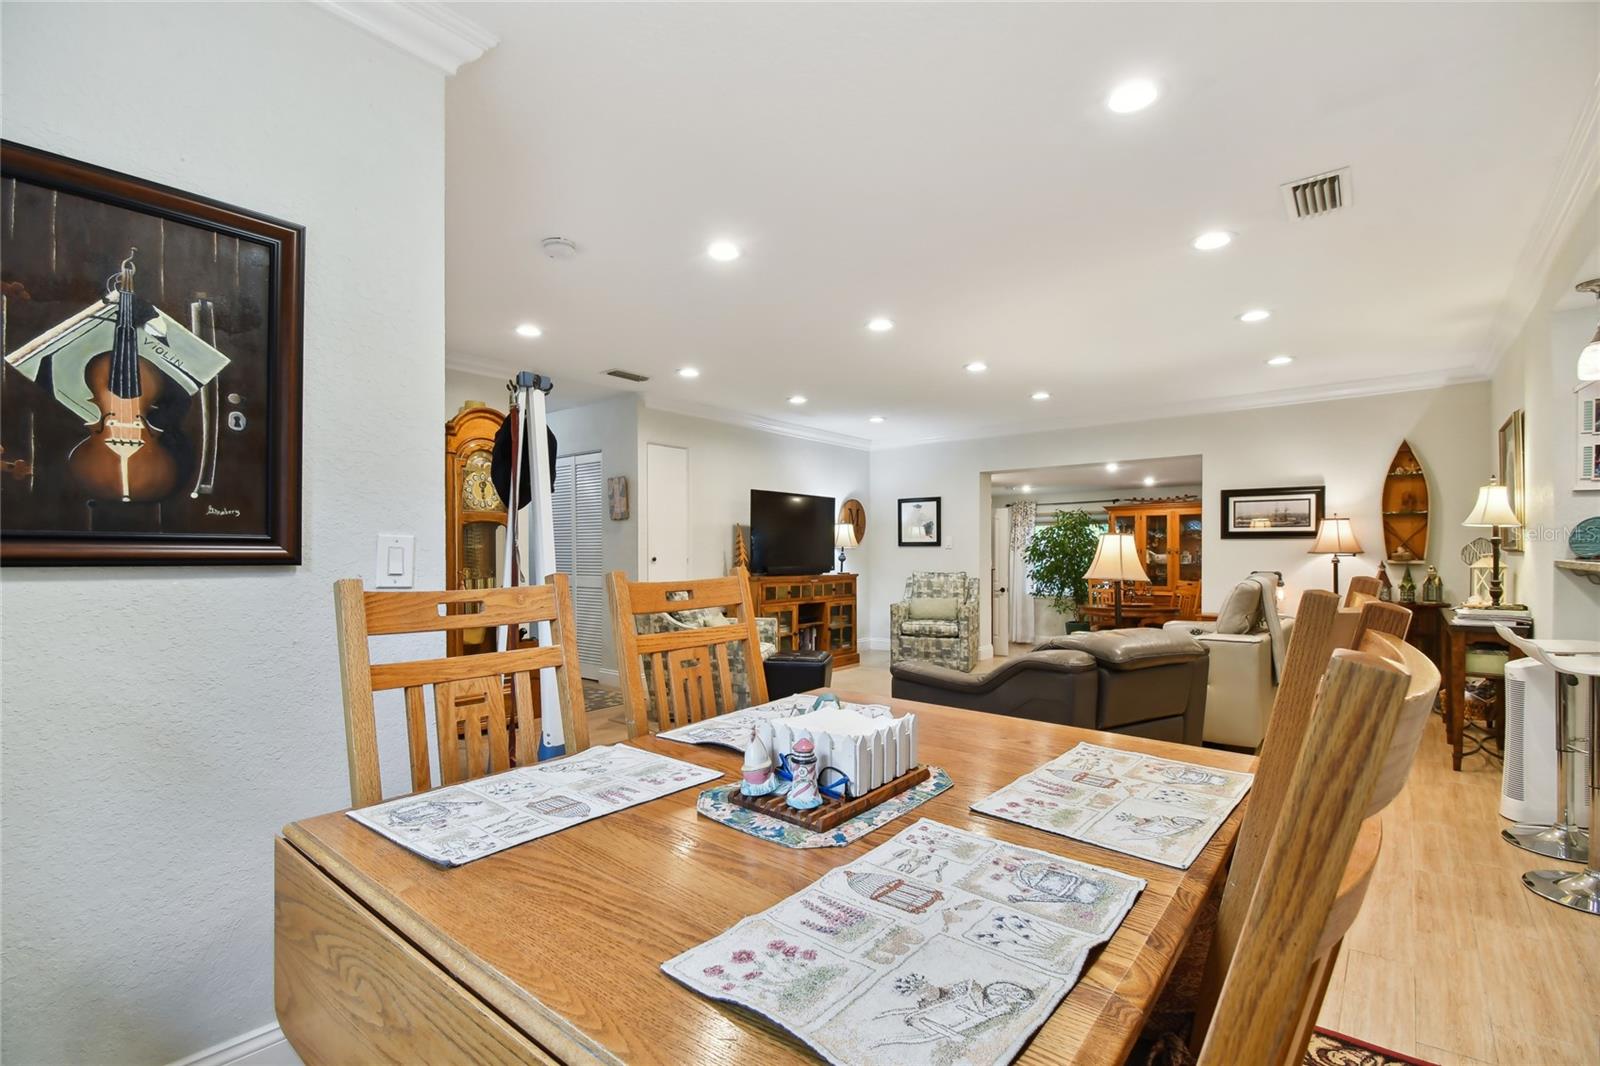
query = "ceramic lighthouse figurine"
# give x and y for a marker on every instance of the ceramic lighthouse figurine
(758, 778)
(803, 794)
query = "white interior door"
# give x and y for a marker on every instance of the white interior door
(578, 504)
(999, 573)
(666, 508)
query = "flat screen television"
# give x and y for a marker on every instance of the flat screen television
(790, 533)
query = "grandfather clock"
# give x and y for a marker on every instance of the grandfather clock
(474, 516)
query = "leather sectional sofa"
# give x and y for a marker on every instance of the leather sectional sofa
(1145, 682)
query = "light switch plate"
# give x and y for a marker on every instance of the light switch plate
(396, 561)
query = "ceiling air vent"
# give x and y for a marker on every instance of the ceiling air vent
(1317, 195)
(627, 375)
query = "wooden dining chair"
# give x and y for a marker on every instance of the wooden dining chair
(1361, 589)
(1188, 602)
(684, 674)
(469, 703)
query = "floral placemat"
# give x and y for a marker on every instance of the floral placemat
(715, 804)
(937, 947)
(1157, 809)
(734, 730)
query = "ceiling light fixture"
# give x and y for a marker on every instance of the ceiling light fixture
(876, 419)
(528, 329)
(1131, 96)
(1589, 358)
(1149, 480)
(1255, 314)
(723, 251)
(1111, 468)
(688, 372)
(797, 399)
(1280, 360)
(1211, 240)
(880, 324)
(977, 367)
(1041, 395)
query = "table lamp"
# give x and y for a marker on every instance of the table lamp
(1335, 538)
(1116, 560)
(844, 536)
(1494, 510)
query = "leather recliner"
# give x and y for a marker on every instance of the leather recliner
(1144, 682)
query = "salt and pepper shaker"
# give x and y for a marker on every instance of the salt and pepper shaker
(802, 763)
(758, 778)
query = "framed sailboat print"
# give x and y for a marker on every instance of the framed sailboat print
(150, 395)
(1267, 513)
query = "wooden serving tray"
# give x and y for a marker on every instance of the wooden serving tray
(833, 812)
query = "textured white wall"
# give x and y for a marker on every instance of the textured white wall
(162, 724)
(1346, 444)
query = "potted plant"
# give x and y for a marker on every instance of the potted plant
(1058, 556)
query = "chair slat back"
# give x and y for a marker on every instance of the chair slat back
(1188, 601)
(685, 673)
(1264, 992)
(1421, 690)
(472, 725)
(1365, 585)
(1379, 617)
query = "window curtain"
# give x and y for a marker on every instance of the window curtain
(1021, 598)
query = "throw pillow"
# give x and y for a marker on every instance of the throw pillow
(1241, 612)
(933, 608)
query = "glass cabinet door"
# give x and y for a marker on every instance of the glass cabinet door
(1189, 546)
(1155, 549)
(841, 627)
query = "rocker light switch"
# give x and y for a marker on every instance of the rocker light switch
(396, 560)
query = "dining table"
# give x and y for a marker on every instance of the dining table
(551, 951)
(1135, 613)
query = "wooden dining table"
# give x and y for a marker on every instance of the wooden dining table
(551, 951)
(1102, 616)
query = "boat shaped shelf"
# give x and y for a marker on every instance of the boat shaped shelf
(1405, 508)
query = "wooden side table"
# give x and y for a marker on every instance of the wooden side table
(1453, 669)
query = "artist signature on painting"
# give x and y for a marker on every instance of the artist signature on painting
(222, 512)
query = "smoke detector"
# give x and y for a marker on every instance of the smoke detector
(1319, 194)
(558, 248)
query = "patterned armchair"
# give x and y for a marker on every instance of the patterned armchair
(937, 621)
(738, 670)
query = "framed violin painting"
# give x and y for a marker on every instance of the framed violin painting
(150, 395)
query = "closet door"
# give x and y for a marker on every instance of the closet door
(579, 501)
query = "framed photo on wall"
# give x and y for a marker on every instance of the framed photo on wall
(920, 524)
(150, 396)
(1271, 513)
(1514, 477)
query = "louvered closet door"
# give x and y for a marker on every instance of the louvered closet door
(580, 525)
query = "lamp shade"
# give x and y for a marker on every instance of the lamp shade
(1493, 508)
(1116, 559)
(1335, 537)
(844, 535)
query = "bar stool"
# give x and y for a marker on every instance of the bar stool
(1564, 840)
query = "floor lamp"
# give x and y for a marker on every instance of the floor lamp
(1335, 538)
(1116, 560)
(1494, 510)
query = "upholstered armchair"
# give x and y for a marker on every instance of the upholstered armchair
(1247, 643)
(937, 621)
(699, 618)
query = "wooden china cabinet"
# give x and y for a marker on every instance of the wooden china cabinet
(1168, 535)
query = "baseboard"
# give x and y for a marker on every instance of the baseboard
(874, 644)
(985, 651)
(266, 1046)
(609, 678)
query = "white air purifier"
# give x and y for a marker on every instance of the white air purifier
(1528, 781)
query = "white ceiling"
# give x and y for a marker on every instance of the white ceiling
(1168, 471)
(953, 167)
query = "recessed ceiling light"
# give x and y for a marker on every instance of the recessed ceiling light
(528, 329)
(880, 325)
(977, 367)
(1280, 360)
(1211, 240)
(688, 372)
(723, 251)
(1111, 468)
(1148, 480)
(1131, 96)
(875, 419)
(1041, 395)
(1255, 314)
(797, 399)
(1025, 488)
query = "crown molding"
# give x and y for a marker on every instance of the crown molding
(1419, 382)
(765, 425)
(430, 31)
(1577, 179)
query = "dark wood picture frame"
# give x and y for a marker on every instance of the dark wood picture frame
(938, 521)
(282, 318)
(1309, 493)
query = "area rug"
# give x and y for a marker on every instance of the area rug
(597, 697)
(1335, 1049)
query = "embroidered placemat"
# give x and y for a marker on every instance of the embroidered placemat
(454, 825)
(1150, 808)
(733, 730)
(938, 946)
(715, 804)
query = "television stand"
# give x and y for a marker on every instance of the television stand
(815, 612)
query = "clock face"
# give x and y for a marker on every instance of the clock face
(477, 487)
